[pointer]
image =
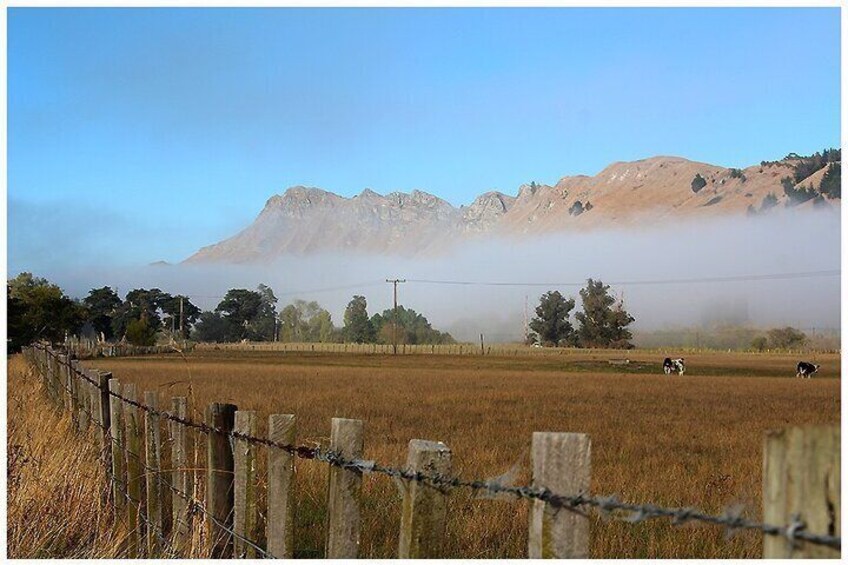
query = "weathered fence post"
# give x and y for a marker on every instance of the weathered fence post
(67, 386)
(135, 473)
(81, 389)
(52, 369)
(561, 463)
(116, 429)
(280, 526)
(219, 482)
(346, 440)
(425, 506)
(801, 476)
(180, 522)
(245, 520)
(100, 407)
(153, 462)
(58, 398)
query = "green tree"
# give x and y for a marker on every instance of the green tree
(321, 328)
(39, 309)
(786, 338)
(240, 308)
(831, 183)
(551, 323)
(213, 327)
(170, 306)
(293, 327)
(303, 321)
(19, 332)
(265, 324)
(139, 302)
(796, 195)
(698, 183)
(101, 304)
(411, 327)
(141, 332)
(603, 321)
(357, 326)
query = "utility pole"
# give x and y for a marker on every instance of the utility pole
(526, 322)
(395, 326)
(181, 318)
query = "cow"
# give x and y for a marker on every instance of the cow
(671, 365)
(805, 370)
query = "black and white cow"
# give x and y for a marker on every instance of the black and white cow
(805, 370)
(673, 365)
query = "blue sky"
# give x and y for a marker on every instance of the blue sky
(142, 134)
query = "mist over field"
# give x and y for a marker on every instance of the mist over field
(779, 243)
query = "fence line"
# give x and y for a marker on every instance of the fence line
(579, 504)
(88, 348)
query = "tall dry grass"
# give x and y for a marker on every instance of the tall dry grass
(54, 481)
(693, 441)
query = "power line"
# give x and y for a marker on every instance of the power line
(732, 278)
(301, 292)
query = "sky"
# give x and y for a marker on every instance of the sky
(137, 135)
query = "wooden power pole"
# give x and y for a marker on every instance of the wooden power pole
(395, 326)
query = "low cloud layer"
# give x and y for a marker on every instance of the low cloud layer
(783, 242)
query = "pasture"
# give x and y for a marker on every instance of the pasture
(694, 440)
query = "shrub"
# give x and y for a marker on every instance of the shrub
(698, 183)
(737, 174)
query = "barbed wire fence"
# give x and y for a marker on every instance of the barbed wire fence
(427, 479)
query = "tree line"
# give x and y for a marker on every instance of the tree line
(39, 309)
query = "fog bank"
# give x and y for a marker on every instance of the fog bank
(782, 242)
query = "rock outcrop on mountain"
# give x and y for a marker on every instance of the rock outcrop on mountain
(307, 220)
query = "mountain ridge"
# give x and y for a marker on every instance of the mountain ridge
(305, 220)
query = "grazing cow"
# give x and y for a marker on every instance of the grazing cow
(805, 370)
(671, 365)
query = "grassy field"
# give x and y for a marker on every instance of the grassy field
(694, 440)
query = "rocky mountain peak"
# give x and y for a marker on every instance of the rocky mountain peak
(635, 193)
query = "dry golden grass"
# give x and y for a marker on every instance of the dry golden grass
(693, 440)
(54, 481)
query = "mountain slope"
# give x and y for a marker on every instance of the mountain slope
(307, 220)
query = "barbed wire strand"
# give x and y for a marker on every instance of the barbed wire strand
(607, 505)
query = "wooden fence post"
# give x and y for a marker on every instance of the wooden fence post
(425, 507)
(135, 473)
(346, 439)
(100, 407)
(82, 390)
(180, 521)
(58, 383)
(53, 378)
(116, 428)
(280, 525)
(219, 482)
(801, 476)
(153, 462)
(245, 519)
(561, 463)
(48, 374)
(67, 386)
